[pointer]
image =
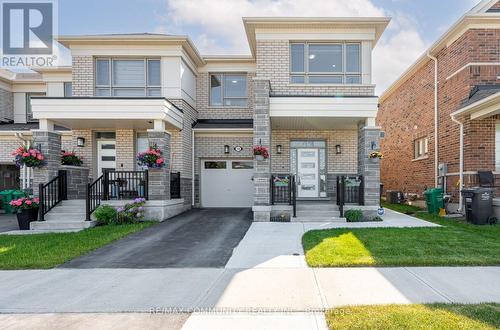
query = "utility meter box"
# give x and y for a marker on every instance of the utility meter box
(442, 169)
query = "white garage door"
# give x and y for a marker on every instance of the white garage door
(226, 183)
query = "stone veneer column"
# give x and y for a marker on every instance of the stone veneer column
(262, 136)
(368, 141)
(159, 179)
(49, 144)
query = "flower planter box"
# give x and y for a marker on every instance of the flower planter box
(24, 217)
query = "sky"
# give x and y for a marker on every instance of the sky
(215, 26)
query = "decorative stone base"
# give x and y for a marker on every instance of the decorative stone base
(264, 213)
(158, 210)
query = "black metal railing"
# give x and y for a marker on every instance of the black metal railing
(281, 189)
(52, 193)
(175, 185)
(350, 190)
(125, 184)
(95, 194)
(116, 185)
(284, 190)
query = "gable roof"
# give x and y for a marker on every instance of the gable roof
(478, 15)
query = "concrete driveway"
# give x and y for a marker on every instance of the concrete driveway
(197, 238)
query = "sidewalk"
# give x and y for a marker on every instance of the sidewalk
(290, 289)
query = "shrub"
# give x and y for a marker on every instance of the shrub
(131, 212)
(353, 215)
(105, 214)
(376, 218)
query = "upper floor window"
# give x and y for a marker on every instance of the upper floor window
(29, 112)
(228, 89)
(68, 89)
(325, 63)
(127, 77)
(420, 147)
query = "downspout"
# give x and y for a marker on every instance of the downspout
(192, 167)
(436, 125)
(461, 165)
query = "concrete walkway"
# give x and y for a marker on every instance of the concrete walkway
(277, 245)
(289, 289)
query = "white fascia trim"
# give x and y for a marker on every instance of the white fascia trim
(106, 109)
(357, 107)
(482, 108)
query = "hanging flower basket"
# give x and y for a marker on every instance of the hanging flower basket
(375, 155)
(153, 158)
(28, 157)
(260, 153)
(70, 158)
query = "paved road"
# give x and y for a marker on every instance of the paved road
(197, 238)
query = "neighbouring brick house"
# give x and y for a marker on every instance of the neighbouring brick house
(468, 92)
(305, 94)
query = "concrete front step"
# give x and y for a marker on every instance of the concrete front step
(318, 207)
(318, 219)
(67, 209)
(72, 202)
(315, 213)
(61, 225)
(65, 216)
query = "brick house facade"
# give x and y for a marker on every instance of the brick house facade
(313, 131)
(468, 58)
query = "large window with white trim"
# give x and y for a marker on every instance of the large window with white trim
(127, 77)
(228, 89)
(325, 63)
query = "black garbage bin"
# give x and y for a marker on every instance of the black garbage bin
(478, 205)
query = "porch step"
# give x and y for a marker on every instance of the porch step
(73, 202)
(61, 225)
(318, 219)
(318, 213)
(73, 216)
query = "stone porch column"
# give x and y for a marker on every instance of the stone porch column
(262, 136)
(368, 141)
(49, 143)
(159, 179)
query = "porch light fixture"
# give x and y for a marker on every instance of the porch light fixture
(338, 149)
(80, 142)
(226, 149)
(279, 149)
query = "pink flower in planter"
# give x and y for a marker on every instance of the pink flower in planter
(159, 161)
(39, 157)
(25, 154)
(36, 200)
(28, 202)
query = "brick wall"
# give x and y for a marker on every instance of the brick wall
(273, 63)
(206, 111)
(408, 114)
(6, 105)
(87, 153)
(125, 150)
(83, 75)
(346, 162)
(7, 145)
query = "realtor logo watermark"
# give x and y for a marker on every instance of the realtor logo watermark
(28, 30)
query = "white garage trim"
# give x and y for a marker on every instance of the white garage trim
(226, 182)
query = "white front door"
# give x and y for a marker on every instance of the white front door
(106, 155)
(227, 183)
(307, 172)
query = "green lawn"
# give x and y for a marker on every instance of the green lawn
(49, 250)
(457, 243)
(432, 316)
